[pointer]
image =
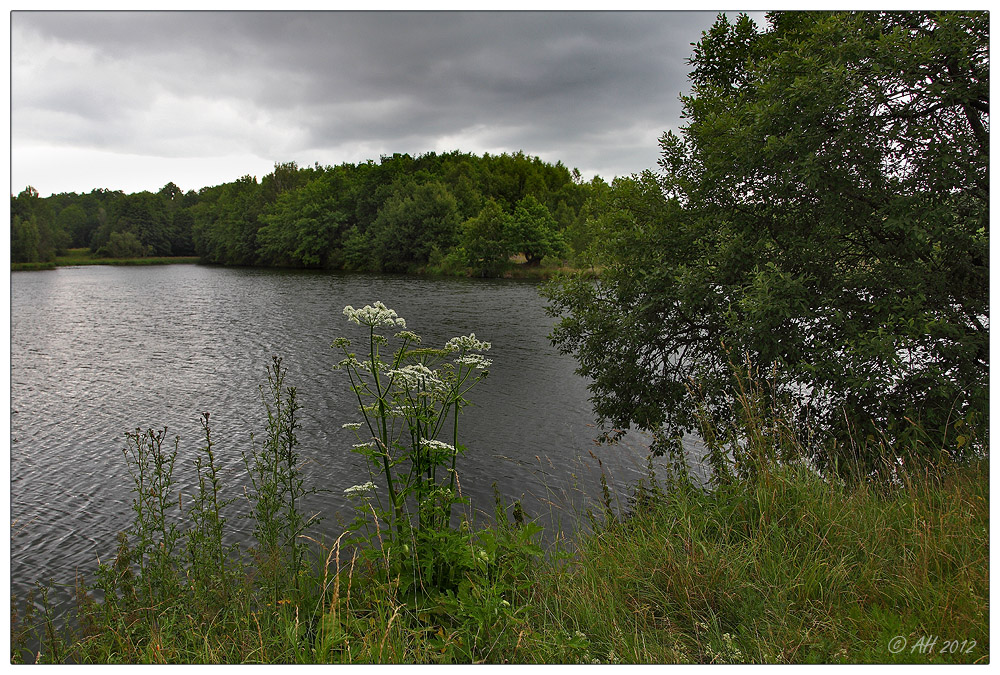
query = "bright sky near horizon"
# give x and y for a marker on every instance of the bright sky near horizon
(133, 100)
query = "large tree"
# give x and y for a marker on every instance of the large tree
(35, 236)
(534, 232)
(304, 226)
(824, 215)
(415, 220)
(486, 241)
(144, 214)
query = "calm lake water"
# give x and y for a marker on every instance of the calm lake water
(97, 351)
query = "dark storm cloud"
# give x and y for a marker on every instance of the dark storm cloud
(588, 88)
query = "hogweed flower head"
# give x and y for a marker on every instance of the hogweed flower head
(416, 376)
(433, 444)
(376, 315)
(466, 343)
(360, 490)
(474, 360)
(352, 362)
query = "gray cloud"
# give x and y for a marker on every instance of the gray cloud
(594, 90)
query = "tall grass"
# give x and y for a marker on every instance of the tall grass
(788, 569)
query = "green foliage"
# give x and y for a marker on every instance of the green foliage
(303, 227)
(623, 328)
(534, 232)
(402, 214)
(144, 216)
(486, 241)
(35, 236)
(825, 212)
(210, 562)
(82, 256)
(226, 221)
(359, 250)
(154, 531)
(413, 221)
(276, 491)
(23, 240)
(579, 233)
(123, 245)
(74, 221)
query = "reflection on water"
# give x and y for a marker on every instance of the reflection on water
(96, 351)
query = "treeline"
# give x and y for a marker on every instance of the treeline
(108, 222)
(448, 213)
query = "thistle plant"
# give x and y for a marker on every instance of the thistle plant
(410, 398)
(155, 526)
(277, 489)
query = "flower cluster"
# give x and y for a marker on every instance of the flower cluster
(352, 362)
(432, 444)
(466, 343)
(357, 490)
(416, 376)
(374, 315)
(474, 360)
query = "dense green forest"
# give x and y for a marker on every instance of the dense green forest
(453, 213)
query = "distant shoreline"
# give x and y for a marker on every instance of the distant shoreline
(81, 256)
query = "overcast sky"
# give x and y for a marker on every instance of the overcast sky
(133, 100)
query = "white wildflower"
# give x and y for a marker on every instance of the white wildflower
(357, 490)
(374, 315)
(416, 376)
(405, 410)
(474, 360)
(432, 444)
(466, 343)
(351, 425)
(408, 335)
(352, 362)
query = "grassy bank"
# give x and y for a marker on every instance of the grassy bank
(82, 256)
(790, 569)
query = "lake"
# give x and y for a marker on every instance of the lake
(97, 351)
